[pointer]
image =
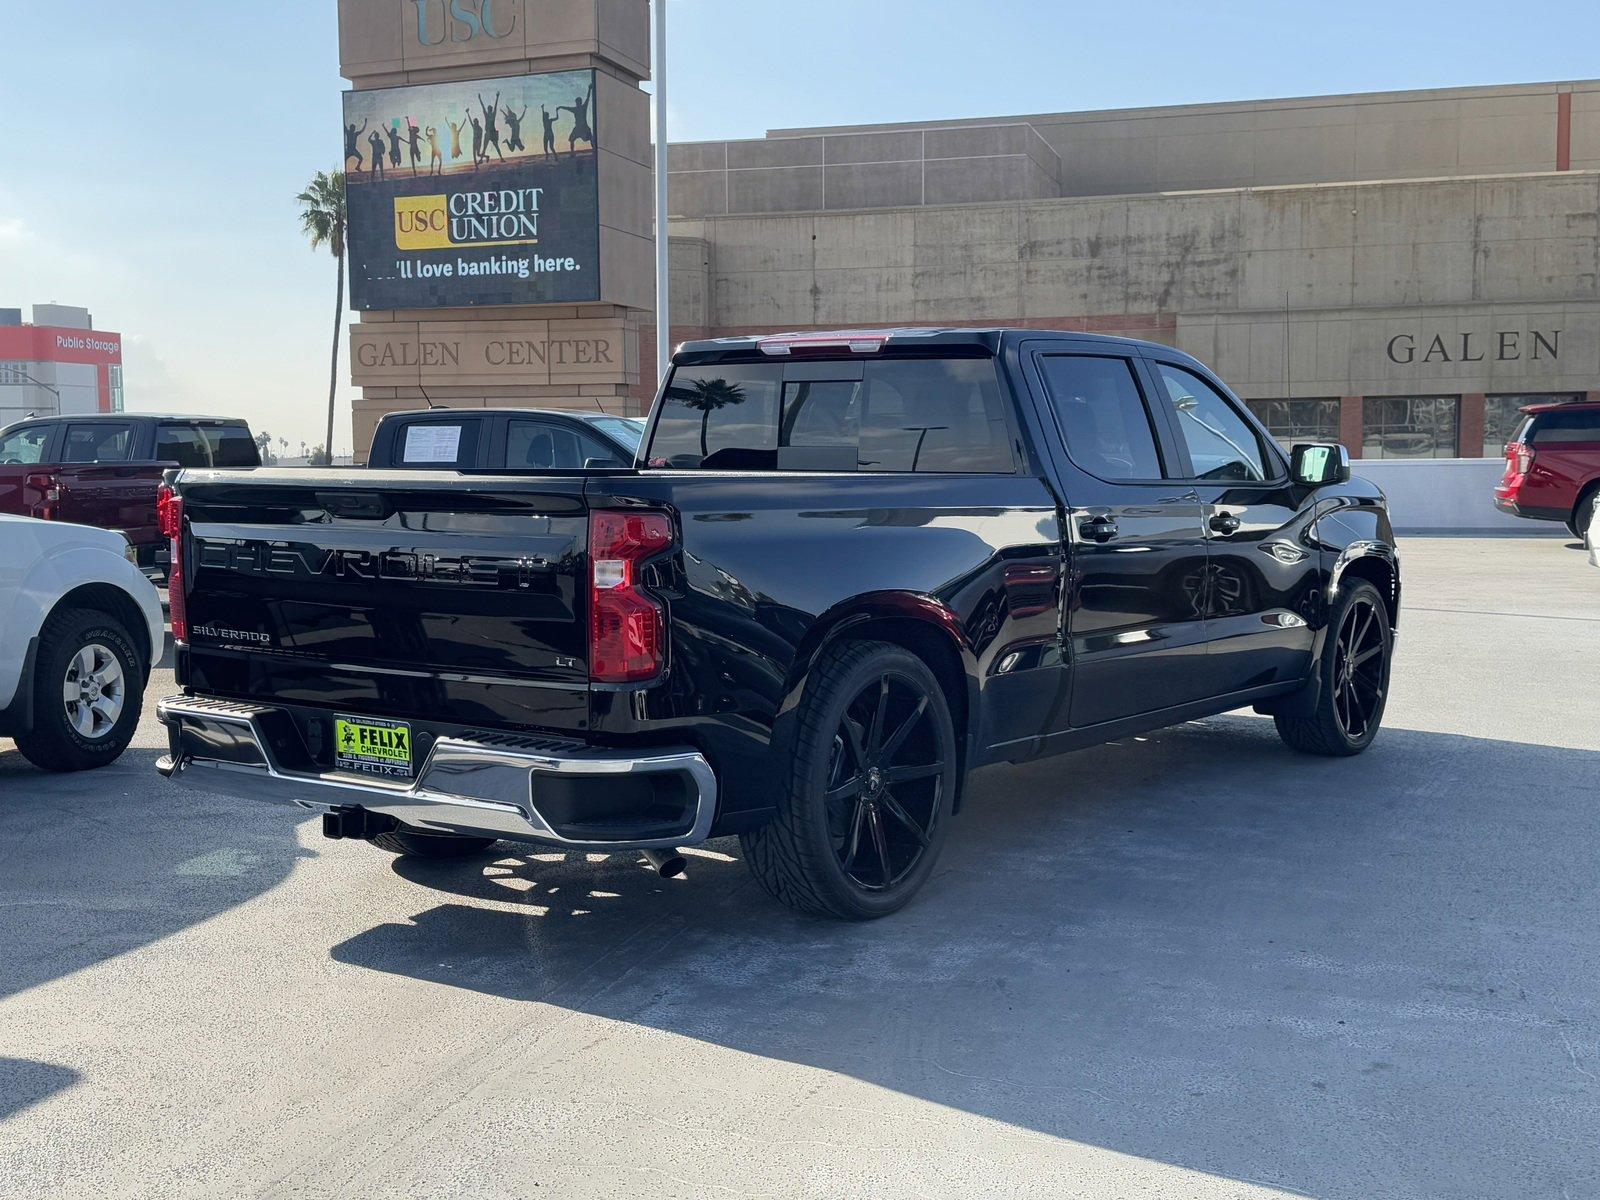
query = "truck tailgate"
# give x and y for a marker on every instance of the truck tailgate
(399, 595)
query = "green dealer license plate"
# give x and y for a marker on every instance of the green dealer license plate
(372, 746)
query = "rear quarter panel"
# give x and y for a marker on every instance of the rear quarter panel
(770, 567)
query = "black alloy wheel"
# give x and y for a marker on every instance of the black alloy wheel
(1341, 712)
(1360, 669)
(865, 811)
(885, 781)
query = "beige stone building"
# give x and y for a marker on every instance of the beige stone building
(1398, 270)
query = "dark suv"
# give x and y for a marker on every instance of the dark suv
(1553, 465)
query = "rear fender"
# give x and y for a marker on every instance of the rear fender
(896, 617)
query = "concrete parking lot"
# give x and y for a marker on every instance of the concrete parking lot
(1190, 964)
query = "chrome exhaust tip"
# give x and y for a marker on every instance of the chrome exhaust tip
(668, 864)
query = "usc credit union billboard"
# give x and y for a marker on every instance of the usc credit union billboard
(482, 192)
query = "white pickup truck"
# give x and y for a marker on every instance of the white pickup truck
(80, 630)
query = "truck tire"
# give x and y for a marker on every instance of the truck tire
(410, 844)
(1583, 512)
(1353, 683)
(867, 803)
(88, 692)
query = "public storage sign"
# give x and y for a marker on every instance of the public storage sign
(482, 192)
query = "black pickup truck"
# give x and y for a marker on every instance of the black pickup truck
(848, 569)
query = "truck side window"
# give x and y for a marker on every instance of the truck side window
(437, 445)
(231, 446)
(723, 416)
(98, 441)
(25, 446)
(1550, 428)
(550, 445)
(1102, 416)
(182, 444)
(1222, 445)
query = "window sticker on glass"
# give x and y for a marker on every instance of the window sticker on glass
(432, 443)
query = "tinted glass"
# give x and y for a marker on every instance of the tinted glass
(25, 446)
(1291, 421)
(1582, 425)
(1501, 417)
(98, 441)
(1102, 415)
(551, 445)
(182, 444)
(1222, 445)
(1409, 426)
(928, 415)
(627, 430)
(231, 446)
(206, 446)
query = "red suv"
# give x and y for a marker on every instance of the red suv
(1553, 465)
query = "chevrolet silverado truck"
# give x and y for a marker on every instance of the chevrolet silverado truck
(847, 570)
(103, 469)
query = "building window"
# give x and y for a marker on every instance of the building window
(13, 374)
(1410, 426)
(1501, 418)
(1291, 421)
(114, 376)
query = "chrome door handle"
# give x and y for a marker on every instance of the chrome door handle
(1098, 529)
(1224, 523)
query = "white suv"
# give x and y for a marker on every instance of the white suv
(80, 630)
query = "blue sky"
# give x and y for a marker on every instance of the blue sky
(154, 150)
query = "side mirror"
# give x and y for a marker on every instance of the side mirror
(1318, 464)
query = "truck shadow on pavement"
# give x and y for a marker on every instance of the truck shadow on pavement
(1357, 977)
(94, 864)
(24, 1083)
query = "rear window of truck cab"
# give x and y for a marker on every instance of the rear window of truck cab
(929, 415)
(207, 445)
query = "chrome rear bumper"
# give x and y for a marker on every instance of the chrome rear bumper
(487, 787)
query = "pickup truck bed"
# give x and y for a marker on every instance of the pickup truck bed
(637, 659)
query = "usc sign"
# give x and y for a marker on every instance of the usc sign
(439, 21)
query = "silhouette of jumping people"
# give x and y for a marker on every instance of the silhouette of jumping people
(581, 132)
(394, 146)
(352, 146)
(413, 144)
(477, 139)
(549, 131)
(455, 138)
(491, 130)
(375, 140)
(435, 155)
(514, 139)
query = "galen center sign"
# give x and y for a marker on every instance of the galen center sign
(496, 157)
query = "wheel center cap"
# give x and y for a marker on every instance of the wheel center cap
(874, 780)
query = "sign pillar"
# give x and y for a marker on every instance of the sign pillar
(497, 159)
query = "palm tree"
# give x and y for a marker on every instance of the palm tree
(708, 395)
(322, 220)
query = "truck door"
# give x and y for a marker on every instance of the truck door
(102, 486)
(1263, 572)
(1133, 623)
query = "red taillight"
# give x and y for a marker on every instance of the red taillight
(627, 628)
(169, 516)
(1520, 455)
(47, 490)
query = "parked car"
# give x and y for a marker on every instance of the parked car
(1553, 465)
(854, 568)
(80, 630)
(103, 469)
(503, 439)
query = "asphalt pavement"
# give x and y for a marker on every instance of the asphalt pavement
(1186, 964)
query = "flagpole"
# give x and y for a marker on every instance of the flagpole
(659, 77)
